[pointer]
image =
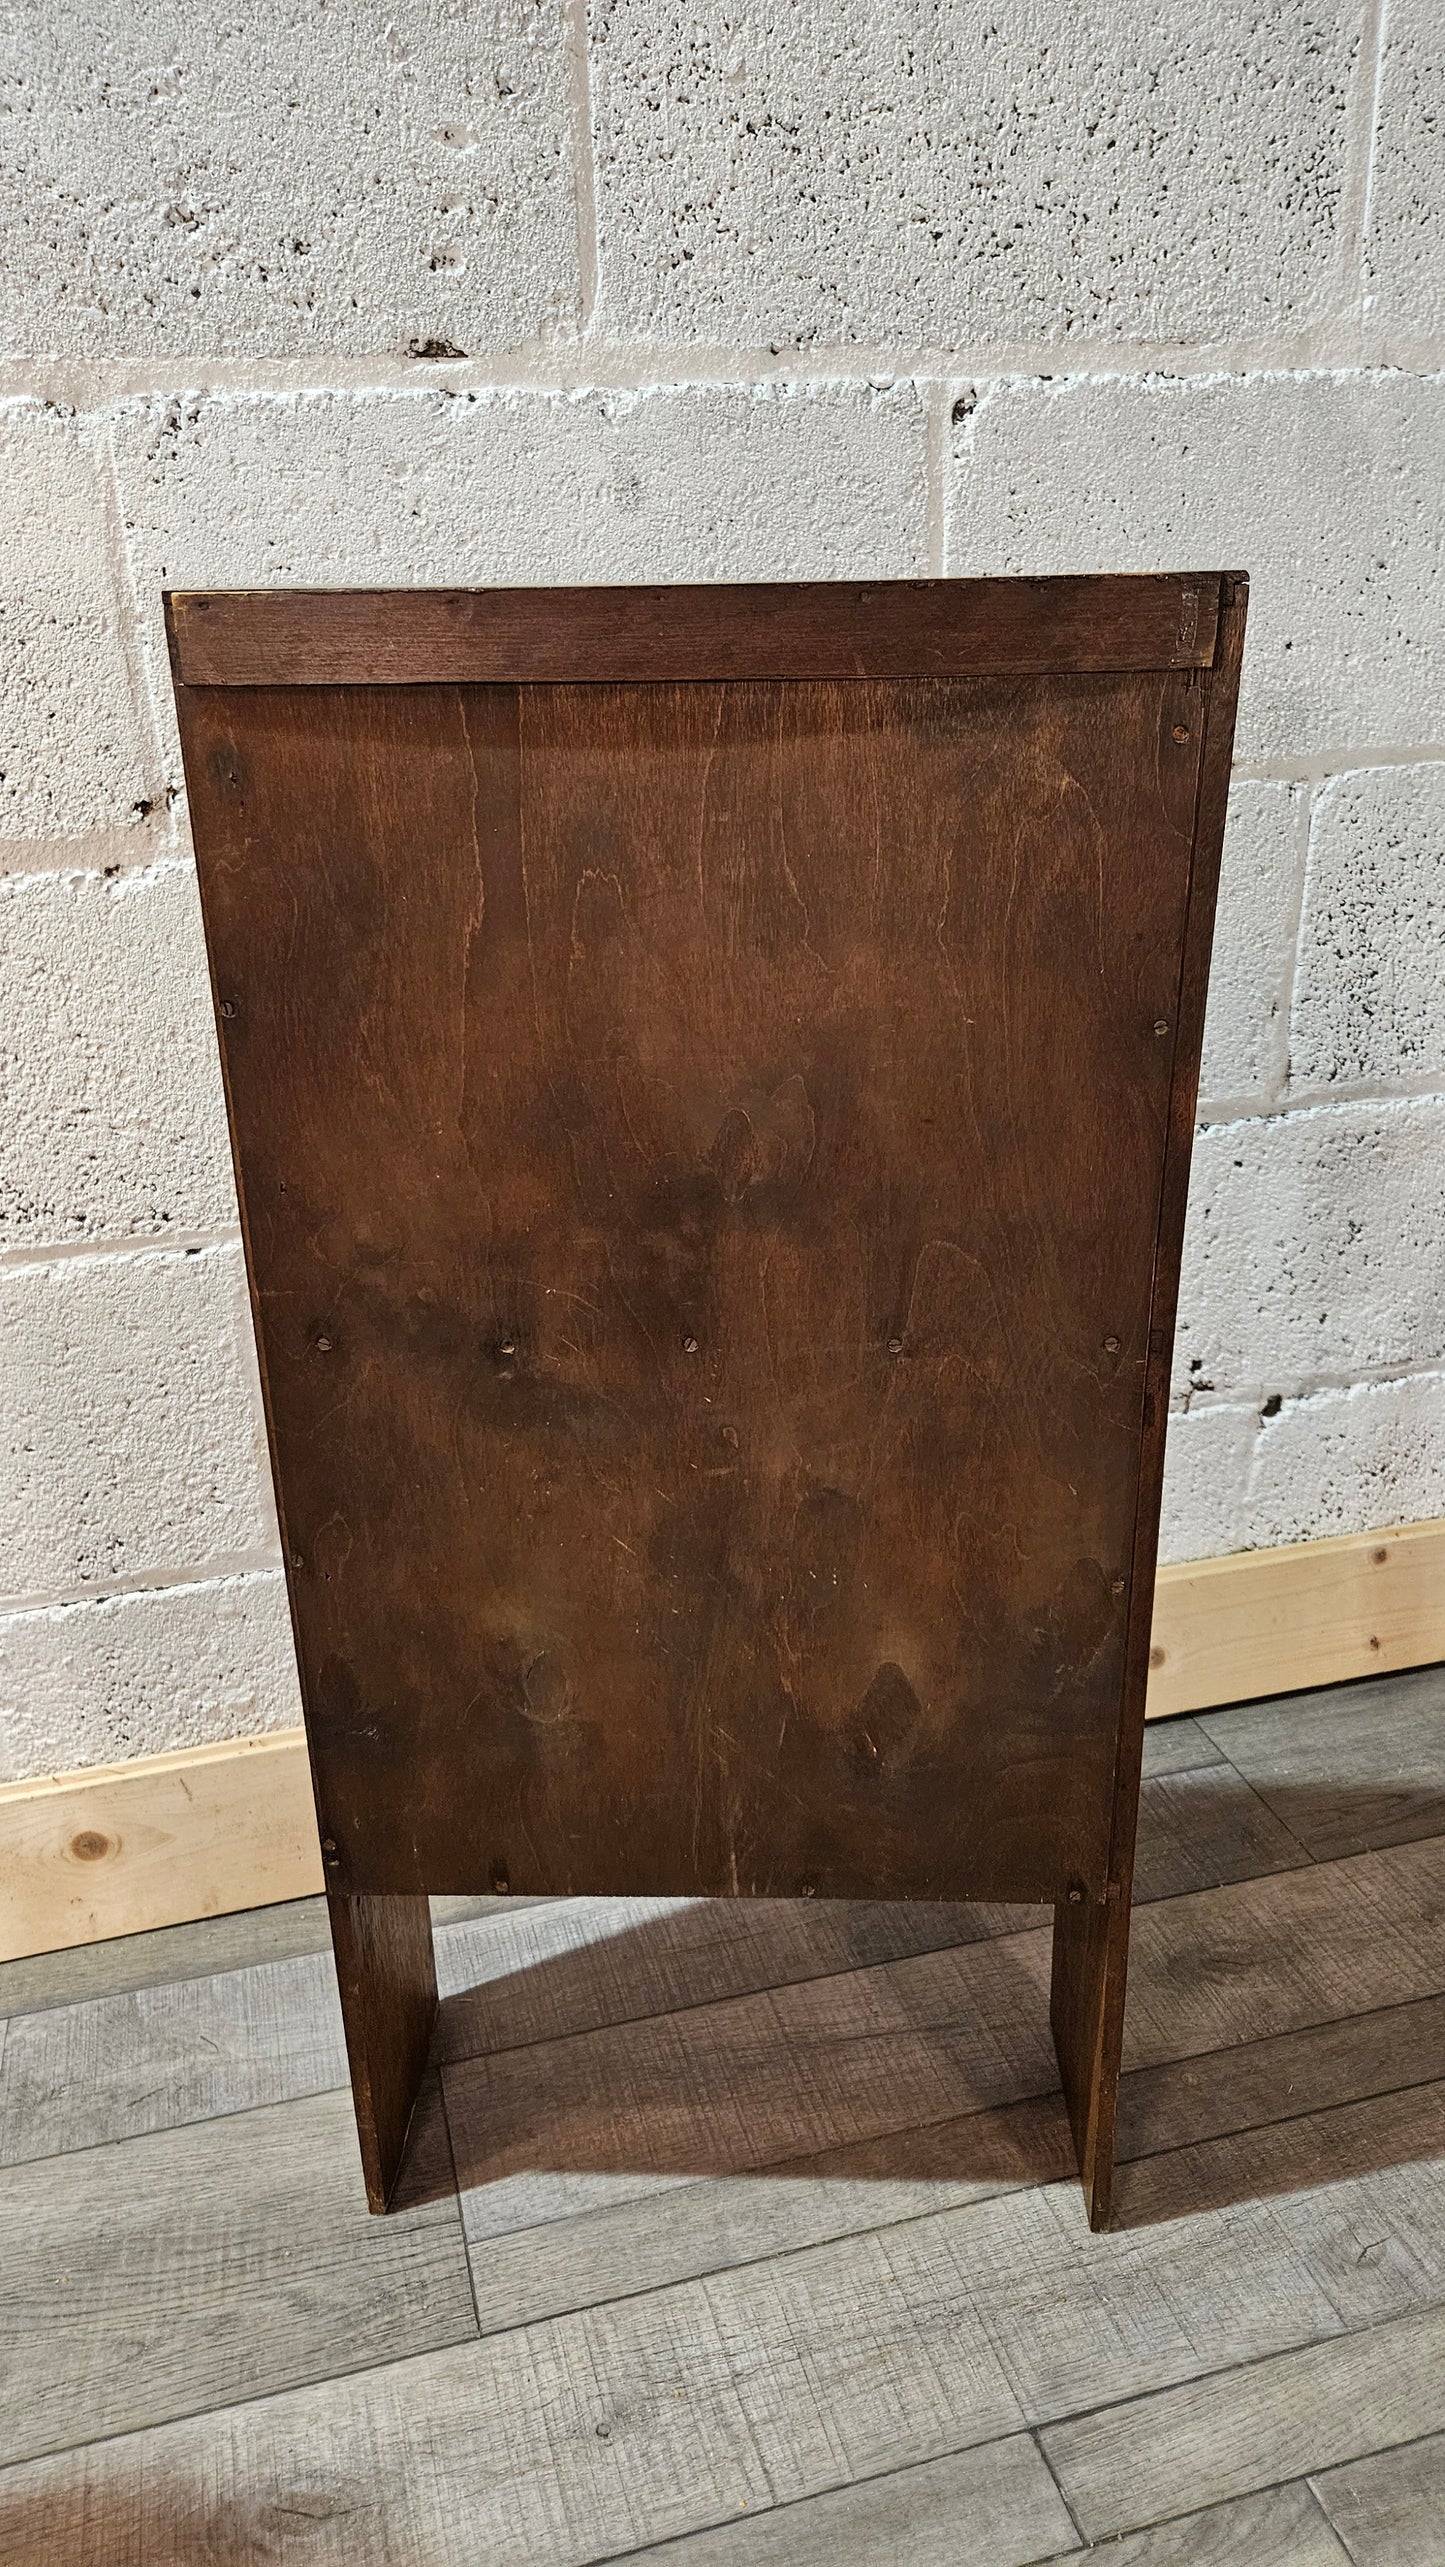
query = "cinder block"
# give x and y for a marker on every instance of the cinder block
(1246, 1028)
(404, 489)
(1325, 487)
(137, 1675)
(260, 182)
(129, 1438)
(870, 172)
(1405, 245)
(1313, 1249)
(1345, 1461)
(77, 748)
(1206, 1475)
(1369, 1003)
(113, 1113)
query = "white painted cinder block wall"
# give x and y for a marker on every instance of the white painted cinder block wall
(508, 290)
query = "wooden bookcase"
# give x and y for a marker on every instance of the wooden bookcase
(711, 1074)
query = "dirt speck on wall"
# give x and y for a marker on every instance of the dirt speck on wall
(525, 291)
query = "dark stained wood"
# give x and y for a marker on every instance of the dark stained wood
(827, 629)
(712, 1161)
(386, 1972)
(1091, 1937)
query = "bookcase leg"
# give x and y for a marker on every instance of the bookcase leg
(387, 1975)
(1091, 1956)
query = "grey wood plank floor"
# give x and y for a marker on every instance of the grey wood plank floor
(747, 2235)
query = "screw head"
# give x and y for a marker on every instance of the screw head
(1111, 1345)
(895, 1345)
(509, 1349)
(1181, 733)
(1161, 1024)
(689, 1345)
(324, 1345)
(228, 1007)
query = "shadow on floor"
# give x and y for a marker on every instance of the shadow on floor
(723, 2039)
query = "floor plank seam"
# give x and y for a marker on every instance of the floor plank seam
(1256, 1794)
(1237, 2370)
(840, 2487)
(457, 2201)
(1037, 2441)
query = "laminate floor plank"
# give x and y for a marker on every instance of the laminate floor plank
(1283, 2527)
(576, 1964)
(1256, 2083)
(1390, 2508)
(197, 1951)
(995, 2507)
(1346, 1769)
(1301, 2413)
(1203, 1826)
(548, 2447)
(1299, 1947)
(741, 2083)
(162, 2275)
(1177, 1746)
(79, 2076)
(642, 2154)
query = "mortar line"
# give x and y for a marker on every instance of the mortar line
(576, 362)
(223, 1569)
(1247, 1395)
(1324, 764)
(1302, 818)
(938, 403)
(165, 1243)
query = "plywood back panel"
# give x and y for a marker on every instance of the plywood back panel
(703, 1147)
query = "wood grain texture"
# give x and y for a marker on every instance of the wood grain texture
(643, 1268)
(605, 1425)
(834, 629)
(1224, 2436)
(94, 1854)
(1390, 2508)
(1308, 1613)
(172, 2273)
(990, 2508)
(1282, 2527)
(386, 1979)
(1091, 1926)
(80, 2075)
